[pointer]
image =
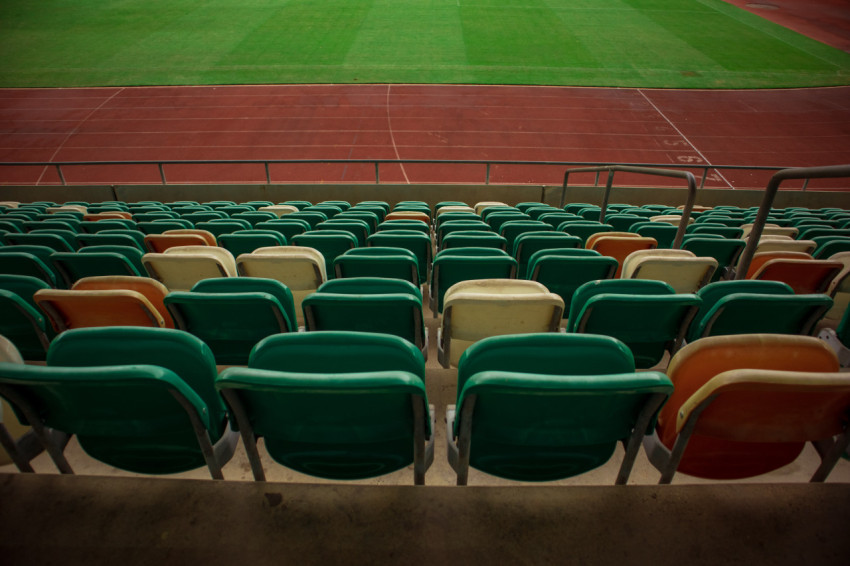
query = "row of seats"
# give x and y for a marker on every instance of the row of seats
(340, 405)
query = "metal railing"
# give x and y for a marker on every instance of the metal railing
(651, 171)
(487, 166)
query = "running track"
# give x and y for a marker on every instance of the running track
(805, 127)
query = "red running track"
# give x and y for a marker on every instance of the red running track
(804, 127)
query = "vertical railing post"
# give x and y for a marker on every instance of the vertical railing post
(61, 176)
(161, 173)
(268, 177)
(377, 172)
(487, 174)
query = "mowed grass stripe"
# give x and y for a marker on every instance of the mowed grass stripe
(629, 43)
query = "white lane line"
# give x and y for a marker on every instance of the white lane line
(684, 137)
(392, 137)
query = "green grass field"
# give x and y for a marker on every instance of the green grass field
(630, 43)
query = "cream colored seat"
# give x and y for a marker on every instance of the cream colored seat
(771, 230)
(300, 268)
(454, 208)
(476, 309)
(681, 269)
(775, 243)
(480, 206)
(673, 219)
(279, 209)
(181, 267)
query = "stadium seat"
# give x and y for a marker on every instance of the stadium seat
(74, 308)
(562, 271)
(454, 265)
(473, 310)
(152, 290)
(24, 325)
(230, 322)
(542, 407)
(338, 405)
(681, 269)
(97, 260)
(746, 405)
(170, 418)
(392, 263)
(179, 268)
(368, 304)
(527, 243)
(417, 242)
(619, 245)
(246, 241)
(725, 250)
(805, 276)
(301, 269)
(330, 243)
(647, 315)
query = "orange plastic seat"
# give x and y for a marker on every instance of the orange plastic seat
(761, 258)
(69, 309)
(619, 245)
(805, 276)
(111, 215)
(151, 289)
(746, 405)
(158, 243)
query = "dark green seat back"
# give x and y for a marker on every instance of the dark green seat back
(125, 416)
(229, 323)
(184, 354)
(528, 243)
(583, 228)
(749, 313)
(252, 285)
(73, 266)
(463, 239)
(400, 265)
(412, 240)
(725, 250)
(563, 271)
(14, 262)
(24, 286)
(331, 244)
(245, 242)
(550, 406)
(24, 325)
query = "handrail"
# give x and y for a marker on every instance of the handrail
(827, 172)
(486, 164)
(687, 175)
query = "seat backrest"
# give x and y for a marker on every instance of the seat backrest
(180, 268)
(330, 243)
(370, 286)
(724, 250)
(398, 314)
(246, 241)
(151, 289)
(24, 325)
(803, 275)
(15, 261)
(527, 243)
(716, 451)
(22, 285)
(68, 309)
(452, 268)
(746, 313)
(562, 273)
(337, 352)
(229, 323)
(417, 242)
(159, 243)
(252, 285)
(683, 271)
(473, 310)
(616, 286)
(649, 325)
(619, 246)
(400, 265)
(301, 269)
(74, 265)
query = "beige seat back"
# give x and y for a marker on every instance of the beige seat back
(181, 267)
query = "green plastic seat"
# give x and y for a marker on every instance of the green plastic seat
(663, 232)
(622, 222)
(455, 215)
(412, 240)
(827, 246)
(252, 285)
(163, 425)
(374, 305)
(463, 264)
(230, 323)
(583, 228)
(713, 292)
(160, 226)
(95, 226)
(473, 239)
(29, 260)
(311, 217)
(556, 217)
(96, 261)
(331, 244)
(564, 270)
(751, 313)
(24, 325)
(445, 228)
(24, 286)
(112, 238)
(372, 216)
(528, 243)
(647, 315)
(254, 217)
(246, 241)
(223, 226)
(337, 405)
(730, 232)
(392, 263)
(289, 227)
(497, 217)
(53, 240)
(152, 215)
(358, 228)
(543, 407)
(52, 222)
